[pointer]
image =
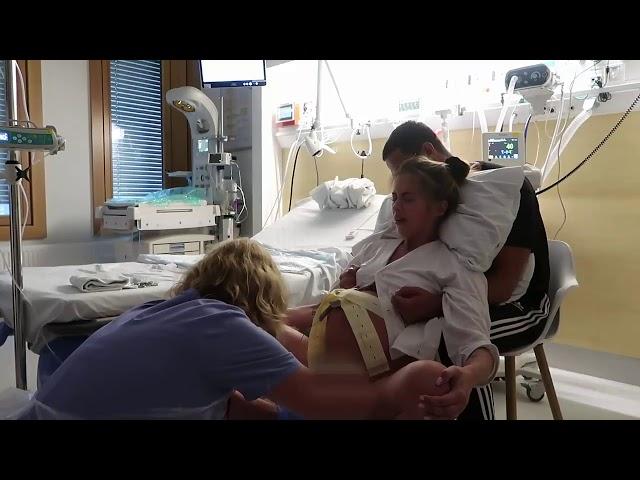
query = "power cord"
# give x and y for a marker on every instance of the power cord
(595, 150)
(293, 176)
(315, 161)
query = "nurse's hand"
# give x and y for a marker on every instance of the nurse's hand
(416, 304)
(348, 277)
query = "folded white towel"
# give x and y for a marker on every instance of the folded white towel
(99, 283)
(348, 193)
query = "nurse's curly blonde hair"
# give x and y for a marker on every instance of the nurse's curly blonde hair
(242, 273)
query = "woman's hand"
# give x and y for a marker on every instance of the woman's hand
(416, 304)
(450, 405)
(348, 277)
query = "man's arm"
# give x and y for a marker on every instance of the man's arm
(509, 265)
(506, 272)
(415, 304)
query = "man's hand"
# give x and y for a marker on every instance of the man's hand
(415, 304)
(452, 404)
(348, 277)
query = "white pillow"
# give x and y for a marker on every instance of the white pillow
(348, 193)
(478, 229)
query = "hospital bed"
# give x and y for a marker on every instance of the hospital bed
(57, 314)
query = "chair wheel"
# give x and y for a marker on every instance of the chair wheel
(535, 393)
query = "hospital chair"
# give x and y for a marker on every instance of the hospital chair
(562, 279)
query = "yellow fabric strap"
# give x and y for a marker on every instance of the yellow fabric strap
(355, 305)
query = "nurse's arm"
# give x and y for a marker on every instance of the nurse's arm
(330, 396)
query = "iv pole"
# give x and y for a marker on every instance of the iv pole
(28, 138)
(14, 179)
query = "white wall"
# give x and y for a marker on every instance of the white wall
(266, 158)
(65, 99)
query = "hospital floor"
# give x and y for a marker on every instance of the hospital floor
(581, 397)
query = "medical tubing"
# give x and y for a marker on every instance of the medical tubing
(553, 147)
(560, 145)
(505, 107)
(23, 91)
(369, 150)
(512, 117)
(284, 176)
(595, 150)
(482, 119)
(555, 130)
(8, 270)
(526, 127)
(26, 202)
(293, 176)
(244, 205)
(535, 124)
(367, 154)
(563, 129)
(473, 125)
(564, 126)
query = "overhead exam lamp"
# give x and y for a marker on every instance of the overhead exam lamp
(313, 144)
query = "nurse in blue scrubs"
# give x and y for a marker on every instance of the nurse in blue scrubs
(211, 345)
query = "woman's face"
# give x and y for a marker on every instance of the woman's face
(414, 213)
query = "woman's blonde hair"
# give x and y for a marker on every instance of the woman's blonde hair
(242, 273)
(440, 181)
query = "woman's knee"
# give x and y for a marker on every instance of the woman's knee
(423, 375)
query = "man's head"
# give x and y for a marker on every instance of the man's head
(411, 139)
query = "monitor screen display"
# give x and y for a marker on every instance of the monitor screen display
(233, 73)
(503, 148)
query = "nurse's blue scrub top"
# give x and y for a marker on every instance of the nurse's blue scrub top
(183, 353)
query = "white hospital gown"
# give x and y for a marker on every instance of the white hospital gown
(435, 268)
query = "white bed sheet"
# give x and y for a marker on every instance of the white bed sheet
(51, 299)
(308, 227)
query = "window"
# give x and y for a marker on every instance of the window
(136, 136)
(36, 219)
(136, 127)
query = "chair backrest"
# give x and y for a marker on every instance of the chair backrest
(562, 278)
